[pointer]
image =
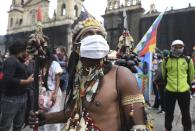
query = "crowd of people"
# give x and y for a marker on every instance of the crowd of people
(85, 91)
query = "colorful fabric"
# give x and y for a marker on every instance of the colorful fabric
(58, 106)
(86, 86)
(148, 42)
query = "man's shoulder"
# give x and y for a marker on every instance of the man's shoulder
(56, 66)
(116, 72)
(187, 58)
(120, 69)
(125, 77)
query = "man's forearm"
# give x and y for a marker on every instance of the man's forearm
(24, 82)
(56, 117)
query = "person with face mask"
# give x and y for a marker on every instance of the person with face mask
(177, 72)
(16, 80)
(102, 96)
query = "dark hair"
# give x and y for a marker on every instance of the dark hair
(71, 69)
(17, 47)
(49, 58)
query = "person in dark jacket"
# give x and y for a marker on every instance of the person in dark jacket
(16, 81)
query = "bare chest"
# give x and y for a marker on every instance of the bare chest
(106, 96)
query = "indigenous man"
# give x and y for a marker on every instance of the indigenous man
(103, 97)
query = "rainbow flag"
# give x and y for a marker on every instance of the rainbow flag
(148, 42)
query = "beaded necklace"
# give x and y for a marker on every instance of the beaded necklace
(86, 85)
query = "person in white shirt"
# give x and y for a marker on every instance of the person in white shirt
(52, 81)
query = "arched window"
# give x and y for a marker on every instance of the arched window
(128, 2)
(20, 21)
(134, 2)
(63, 10)
(115, 5)
(110, 5)
(76, 11)
(11, 22)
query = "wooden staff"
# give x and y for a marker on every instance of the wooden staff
(37, 47)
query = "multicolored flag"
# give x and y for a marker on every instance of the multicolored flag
(148, 42)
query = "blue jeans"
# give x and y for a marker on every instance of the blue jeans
(64, 81)
(12, 110)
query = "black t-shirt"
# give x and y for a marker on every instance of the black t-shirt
(14, 71)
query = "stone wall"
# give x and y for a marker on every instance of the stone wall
(57, 36)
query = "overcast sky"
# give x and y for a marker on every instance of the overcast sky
(95, 7)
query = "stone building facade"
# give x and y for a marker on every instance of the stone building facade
(176, 24)
(114, 19)
(23, 18)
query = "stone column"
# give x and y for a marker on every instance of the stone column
(70, 9)
(59, 7)
(69, 39)
(126, 2)
(108, 3)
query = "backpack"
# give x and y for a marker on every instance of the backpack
(158, 78)
(187, 58)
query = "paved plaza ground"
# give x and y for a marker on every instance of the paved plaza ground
(177, 126)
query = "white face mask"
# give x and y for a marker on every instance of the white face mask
(94, 47)
(177, 52)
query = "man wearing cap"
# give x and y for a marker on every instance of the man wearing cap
(177, 71)
(103, 97)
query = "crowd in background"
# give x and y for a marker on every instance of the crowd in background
(56, 68)
(17, 69)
